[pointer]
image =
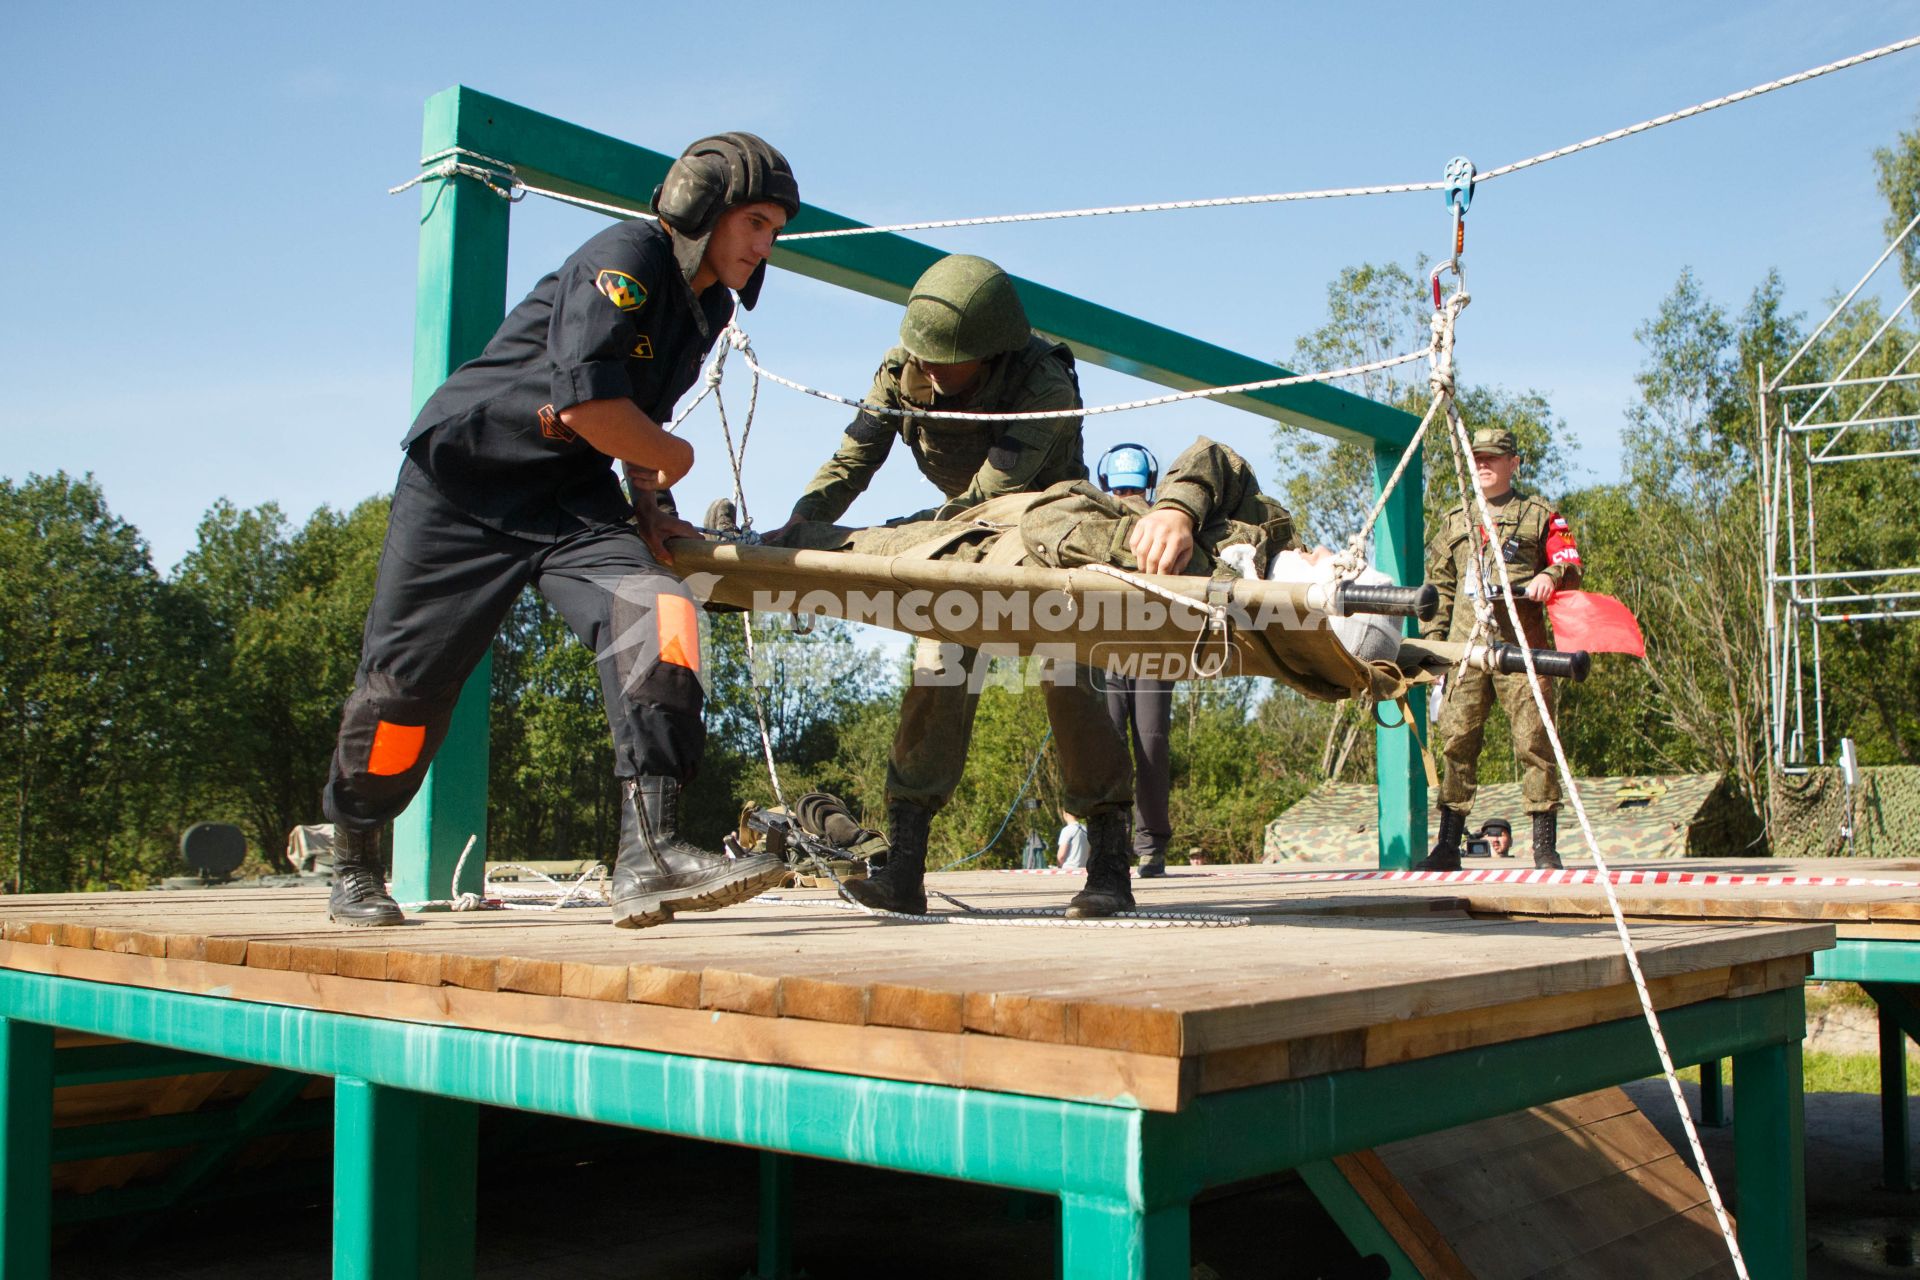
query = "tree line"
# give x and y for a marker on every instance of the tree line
(133, 704)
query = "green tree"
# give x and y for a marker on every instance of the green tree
(84, 696)
(1899, 177)
(283, 611)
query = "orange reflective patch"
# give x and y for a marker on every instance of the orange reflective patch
(395, 748)
(679, 631)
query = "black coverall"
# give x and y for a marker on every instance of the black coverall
(496, 493)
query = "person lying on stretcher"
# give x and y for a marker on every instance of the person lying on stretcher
(1209, 517)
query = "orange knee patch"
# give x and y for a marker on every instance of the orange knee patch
(679, 631)
(395, 748)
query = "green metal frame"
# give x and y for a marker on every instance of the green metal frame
(462, 298)
(1889, 971)
(1124, 1177)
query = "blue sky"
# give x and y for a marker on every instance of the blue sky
(211, 293)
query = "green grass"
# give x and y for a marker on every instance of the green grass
(1832, 1073)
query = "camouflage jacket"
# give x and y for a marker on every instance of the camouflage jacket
(971, 462)
(1073, 523)
(1534, 539)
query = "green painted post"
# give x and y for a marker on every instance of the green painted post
(1104, 1239)
(460, 300)
(1894, 1158)
(403, 1184)
(776, 1217)
(1769, 1153)
(1399, 551)
(26, 1162)
(1713, 1098)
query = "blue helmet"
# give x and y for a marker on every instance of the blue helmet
(1128, 466)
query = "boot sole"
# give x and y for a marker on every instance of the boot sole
(381, 922)
(645, 910)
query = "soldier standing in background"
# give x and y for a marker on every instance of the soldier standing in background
(966, 346)
(1541, 558)
(1141, 707)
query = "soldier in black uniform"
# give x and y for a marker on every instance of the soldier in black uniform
(508, 482)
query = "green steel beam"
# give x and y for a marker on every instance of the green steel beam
(776, 1218)
(1355, 1220)
(1868, 960)
(460, 299)
(182, 1129)
(560, 156)
(26, 1134)
(403, 1184)
(1769, 1156)
(1401, 796)
(108, 1063)
(1899, 1019)
(1713, 1096)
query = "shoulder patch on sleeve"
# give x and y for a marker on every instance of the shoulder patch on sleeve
(622, 290)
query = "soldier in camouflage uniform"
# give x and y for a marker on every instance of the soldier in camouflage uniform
(965, 345)
(1541, 558)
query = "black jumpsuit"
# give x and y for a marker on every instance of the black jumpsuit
(496, 493)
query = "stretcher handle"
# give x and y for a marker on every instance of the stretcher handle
(1420, 602)
(1548, 662)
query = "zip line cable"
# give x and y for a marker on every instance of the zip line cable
(502, 179)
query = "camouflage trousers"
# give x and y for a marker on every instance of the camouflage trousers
(936, 723)
(1462, 726)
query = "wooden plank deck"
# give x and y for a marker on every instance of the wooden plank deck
(1327, 978)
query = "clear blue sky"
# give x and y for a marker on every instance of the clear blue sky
(210, 294)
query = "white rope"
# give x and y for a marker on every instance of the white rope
(1397, 188)
(1462, 442)
(735, 459)
(1026, 917)
(738, 339)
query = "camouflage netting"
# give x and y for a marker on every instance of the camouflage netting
(1809, 811)
(1675, 816)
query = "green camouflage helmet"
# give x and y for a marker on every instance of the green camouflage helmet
(964, 308)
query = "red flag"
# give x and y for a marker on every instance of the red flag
(1599, 624)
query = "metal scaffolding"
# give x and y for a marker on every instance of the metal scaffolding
(1797, 441)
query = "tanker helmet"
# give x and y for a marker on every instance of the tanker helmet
(1128, 466)
(963, 308)
(712, 176)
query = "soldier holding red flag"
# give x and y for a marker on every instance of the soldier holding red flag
(1541, 558)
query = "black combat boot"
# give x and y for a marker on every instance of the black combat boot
(1109, 879)
(658, 873)
(1445, 854)
(359, 895)
(900, 885)
(1546, 834)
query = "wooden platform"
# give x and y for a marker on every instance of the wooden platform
(1327, 978)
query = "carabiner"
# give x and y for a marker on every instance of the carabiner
(1459, 274)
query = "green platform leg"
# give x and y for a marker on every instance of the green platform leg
(1112, 1240)
(460, 300)
(26, 1163)
(1894, 1158)
(1713, 1097)
(1770, 1162)
(776, 1217)
(1399, 552)
(404, 1171)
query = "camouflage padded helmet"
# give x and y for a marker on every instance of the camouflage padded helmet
(963, 308)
